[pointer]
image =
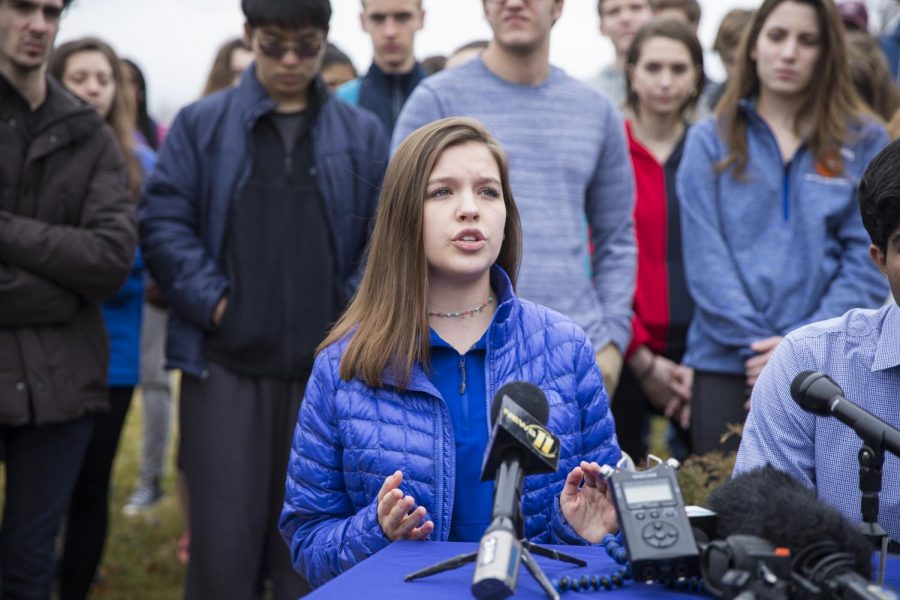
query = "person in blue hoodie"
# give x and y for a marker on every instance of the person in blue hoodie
(90, 69)
(394, 424)
(772, 236)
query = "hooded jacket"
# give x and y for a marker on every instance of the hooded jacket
(67, 240)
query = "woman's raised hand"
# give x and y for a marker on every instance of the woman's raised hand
(394, 515)
(586, 503)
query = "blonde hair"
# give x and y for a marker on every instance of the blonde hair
(388, 316)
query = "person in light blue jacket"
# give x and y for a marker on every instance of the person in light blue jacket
(394, 423)
(772, 234)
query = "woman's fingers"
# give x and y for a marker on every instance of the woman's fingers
(409, 522)
(593, 477)
(573, 480)
(398, 512)
(391, 482)
(421, 532)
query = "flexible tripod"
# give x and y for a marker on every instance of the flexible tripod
(527, 549)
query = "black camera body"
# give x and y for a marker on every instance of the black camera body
(654, 524)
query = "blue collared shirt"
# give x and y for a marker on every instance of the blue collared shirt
(861, 352)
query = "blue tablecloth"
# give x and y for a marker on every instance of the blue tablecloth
(381, 575)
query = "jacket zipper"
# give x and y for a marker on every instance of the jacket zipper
(786, 170)
(397, 100)
(462, 383)
(488, 383)
(786, 189)
(439, 484)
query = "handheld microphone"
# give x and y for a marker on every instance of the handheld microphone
(817, 393)
(520, 445)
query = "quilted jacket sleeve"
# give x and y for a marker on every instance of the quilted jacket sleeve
(598, 437)
(325, 532)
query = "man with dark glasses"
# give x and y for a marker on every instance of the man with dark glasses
(254, 225)
(395, 72)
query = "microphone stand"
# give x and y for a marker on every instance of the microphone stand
(530, 563)
(871, 459)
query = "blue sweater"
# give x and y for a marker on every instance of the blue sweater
(568, 159)
(782, 247)
(350, 437)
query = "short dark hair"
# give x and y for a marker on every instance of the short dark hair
(65, 3)
(691, 8)
(287, 13)
(879, 195)
(335, 56)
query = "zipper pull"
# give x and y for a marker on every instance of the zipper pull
(462, 375)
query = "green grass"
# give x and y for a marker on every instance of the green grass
(140, 561)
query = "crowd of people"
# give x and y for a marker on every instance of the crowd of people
(345, 267)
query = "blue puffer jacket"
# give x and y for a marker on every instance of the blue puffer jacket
(203, 166)
(350, 437)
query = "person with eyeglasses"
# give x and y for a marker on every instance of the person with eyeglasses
(569, 166)
(254, 225)
(395, 72)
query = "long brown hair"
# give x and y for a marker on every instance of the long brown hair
(673, 30)
(121, 115)
(831, 102)
(388, 315)
(220, 74)
(871, 74)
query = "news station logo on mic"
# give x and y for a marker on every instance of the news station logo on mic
(514, 427)
(542, 440)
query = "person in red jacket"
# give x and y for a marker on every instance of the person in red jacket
(664, 68)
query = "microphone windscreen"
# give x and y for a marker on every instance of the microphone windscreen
(527, 395)
(813, 391)
(797, 386)
(773, 505)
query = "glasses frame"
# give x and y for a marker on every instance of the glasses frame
(278, 51)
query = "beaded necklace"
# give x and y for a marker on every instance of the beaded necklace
(463, 313)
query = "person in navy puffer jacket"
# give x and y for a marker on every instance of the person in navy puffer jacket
(394, 424)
